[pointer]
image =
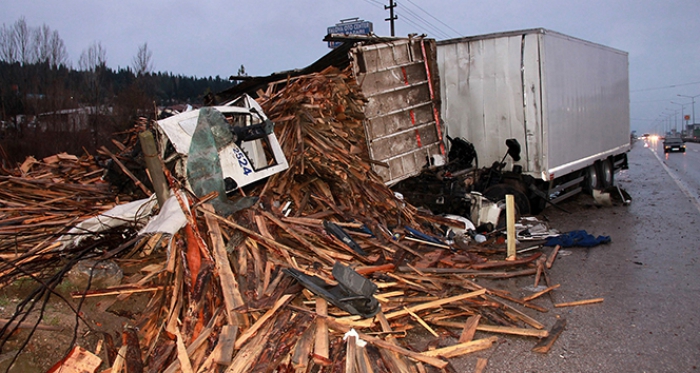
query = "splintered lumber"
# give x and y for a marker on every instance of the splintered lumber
(579, 302)
(126, 171)
(421, 322)
(434, 361)
(227, 304)
(182, 356)
(229, 284)
(224, 348)
(506, 263)
(254, 328)
(546, 344)
(495, 329)
(552, 256)
(321, 346)
(435, 304)
(480, 365)
(304, 348)
(246, 356)
(462, 348)
(540, 293)
(469, 329)
(79, 360)
(394, 361)
(350, 354)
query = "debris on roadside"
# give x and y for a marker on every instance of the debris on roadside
(327, 251)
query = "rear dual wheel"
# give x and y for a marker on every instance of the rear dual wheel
(599, 175)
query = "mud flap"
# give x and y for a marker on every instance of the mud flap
(353, 294)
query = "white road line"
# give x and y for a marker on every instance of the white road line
(678, 181)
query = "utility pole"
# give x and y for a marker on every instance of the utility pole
(392, 17)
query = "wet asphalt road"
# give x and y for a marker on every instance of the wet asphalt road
(649, 276)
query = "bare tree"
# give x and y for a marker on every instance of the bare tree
(42, 38)
(22, 35)
(93, 58)
(142, 63)
(58, 55)
(8, 47)
(93, 63)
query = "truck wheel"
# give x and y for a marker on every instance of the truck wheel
(590, 179)
(607, 174)
(497, 193)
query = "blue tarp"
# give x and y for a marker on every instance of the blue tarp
(576, 238)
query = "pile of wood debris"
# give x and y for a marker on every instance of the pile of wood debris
(221, 298)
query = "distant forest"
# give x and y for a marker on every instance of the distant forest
(41, 94)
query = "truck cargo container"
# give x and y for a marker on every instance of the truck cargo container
(565, 101)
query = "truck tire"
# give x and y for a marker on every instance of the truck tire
(607, 174)
(497, 193)
(590, 179)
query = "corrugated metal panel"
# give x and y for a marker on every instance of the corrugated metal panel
(401, 126)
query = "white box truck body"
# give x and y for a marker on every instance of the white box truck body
(564, 99)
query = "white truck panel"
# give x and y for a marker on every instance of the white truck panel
(564, 99)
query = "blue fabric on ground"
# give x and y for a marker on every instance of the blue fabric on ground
(576, 238)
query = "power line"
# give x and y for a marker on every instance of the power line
(375, 3)
(418, 19)
(435, 18)
(664, 87)
(414, 19)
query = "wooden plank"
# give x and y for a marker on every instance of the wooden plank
(435, 304)
(126, 171)
(350, 354)
(229, 285)
(434, 361)
(579, 302)
(540, 293)
(546, 344)
(494, 329)
(259, 323)
(469, 329)
(304, 348)
(462, 348)
(394, 361)
(224, 348)
(79, 360)
(552, 256)
(480, 365)
(321, 347)
(510, 226)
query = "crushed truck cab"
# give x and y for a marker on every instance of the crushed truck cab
(249, 153)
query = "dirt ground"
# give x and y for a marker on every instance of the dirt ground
(57, 332)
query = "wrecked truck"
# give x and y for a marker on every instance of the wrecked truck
(558, 103)
(457, 123)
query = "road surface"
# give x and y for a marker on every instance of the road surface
(649, 277)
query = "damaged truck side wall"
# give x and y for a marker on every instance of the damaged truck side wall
(565, 100)
(400, 81)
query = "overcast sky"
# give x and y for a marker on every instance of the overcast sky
(215, 37)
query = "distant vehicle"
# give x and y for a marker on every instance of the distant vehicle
(674, 144)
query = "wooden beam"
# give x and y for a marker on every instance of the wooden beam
(546, 344)
(462, 348)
